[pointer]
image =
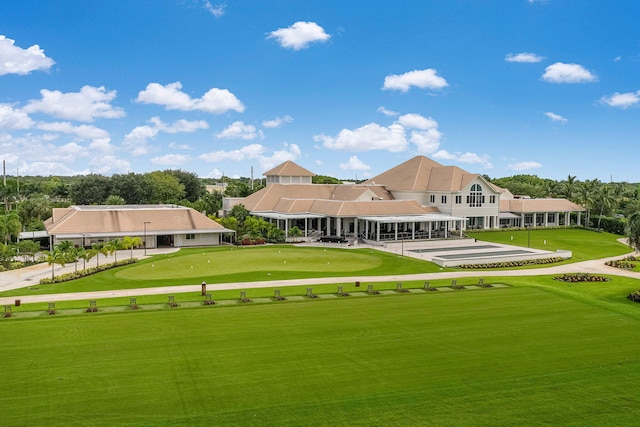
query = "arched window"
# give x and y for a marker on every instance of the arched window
(475, 199)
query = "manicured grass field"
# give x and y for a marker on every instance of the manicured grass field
(584, 244)
(521, 355)
(241, 264)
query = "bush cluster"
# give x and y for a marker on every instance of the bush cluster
(86, 272)
(581, 277)
(621, 263)
(248, 242)
(519, 263)
(634, 296)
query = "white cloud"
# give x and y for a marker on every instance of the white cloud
(217, 10)
(355, 164)
(82, 131)
(15, 60)
(247, 152)
(11, 118)
(423, 79)
(174, 145)
(423, 133)
(366, 138)
(523, 166)
(568, 73)
(290, 152)
(523, 57)
(239, 130)
(386, 112)
(171, 160)
(107, 165)
(555, 117)
(215, 101)
(215, 173)
(619, 100)
(136, 140)
(84, 106)
(471, 158)
(300, 35)
(277, 122)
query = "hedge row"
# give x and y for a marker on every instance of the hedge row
(518, 263)
(581, 277)
(86, 272)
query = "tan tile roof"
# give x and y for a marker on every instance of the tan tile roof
(423, 174)
(289, 168)
(268, 198)
(128, 219)
(339, 208)
(539, 205)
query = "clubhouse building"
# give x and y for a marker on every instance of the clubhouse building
(155, 225)
(419, 199)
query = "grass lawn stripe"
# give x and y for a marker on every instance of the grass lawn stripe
(519, 354)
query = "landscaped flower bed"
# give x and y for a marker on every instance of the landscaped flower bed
(624, 264)
(581, 277)
(87, 272)
(634, 296)
(519, 263)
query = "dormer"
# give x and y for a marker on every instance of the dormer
(289, 173)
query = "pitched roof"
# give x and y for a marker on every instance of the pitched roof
(351, 208)
(268, 197)
(539, 205)
(423, 174)
(289, 168)
(129, 219)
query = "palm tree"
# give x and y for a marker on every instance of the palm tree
(81, 253)
(606, 199)
(56, 256)
(633, 230)
(129, 242)
(586, 196)
(9, 225)
(112, 247)
(97, 249)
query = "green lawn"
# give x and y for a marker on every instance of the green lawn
(584, 244)
(533, 354)
(240, 264)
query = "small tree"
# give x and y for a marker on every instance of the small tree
(295, 232)
(56, 256)
(129, 242)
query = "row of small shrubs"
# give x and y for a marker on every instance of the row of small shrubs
(581, 277)
(517, 263)
(15, 265)
(621, 263)
(634, 296)
(86, 272)
(488, 230)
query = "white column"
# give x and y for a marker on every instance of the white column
(339, 226)
(377, 231)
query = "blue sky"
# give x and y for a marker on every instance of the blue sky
(343, 88)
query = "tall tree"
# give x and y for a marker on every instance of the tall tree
(129, 242)
(90, 190)
(633, 230)
(10, 225)
(193, 186)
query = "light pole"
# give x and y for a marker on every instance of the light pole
(145, 236)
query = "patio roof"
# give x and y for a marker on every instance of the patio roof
(411, 218)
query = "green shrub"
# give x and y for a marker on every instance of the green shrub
(634, 296)
(581, 277)
(518, 263)
(86, 272)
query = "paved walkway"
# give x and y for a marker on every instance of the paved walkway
(25, 277)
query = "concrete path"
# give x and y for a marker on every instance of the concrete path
(25, 277)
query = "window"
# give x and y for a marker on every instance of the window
(492, 199)
(443, 199)
(458, 200)
(432, 199)
(475, 199)
(191, 236)
(551, 218)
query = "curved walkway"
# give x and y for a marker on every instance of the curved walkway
(25, 277)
